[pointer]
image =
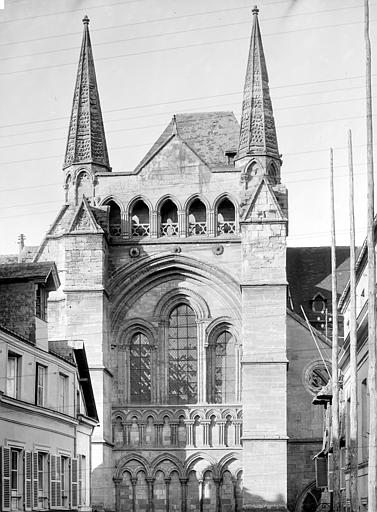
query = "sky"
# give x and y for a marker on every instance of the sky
(155, 58)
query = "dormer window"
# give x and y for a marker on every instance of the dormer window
(41, 296)
(230, 155)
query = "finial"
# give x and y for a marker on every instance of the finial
(85, 20)
(255, 10)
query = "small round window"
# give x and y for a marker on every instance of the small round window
(316, 376)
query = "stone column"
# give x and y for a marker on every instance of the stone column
(154, 224)
(167, 486)
(117, 482)
(184, 493)
(125, 223)
(182, 223)
(217, 484)
(134, 482)
(211, 224)
(201, 493)
(150, 482)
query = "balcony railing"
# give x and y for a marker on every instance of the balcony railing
(169, 229)
(140, 230)
(177, 427)
(226, 228)
(197, 228)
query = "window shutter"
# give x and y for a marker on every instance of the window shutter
(5, 479)
(321, 471)
(53, 481)
(28, 480)
(35, 480)
(58, 482)
(74, 483)
(79, 496)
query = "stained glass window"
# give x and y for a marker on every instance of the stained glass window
(182, 347)
(221, 369)
(140, 369)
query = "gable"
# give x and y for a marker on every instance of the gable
(263, 204)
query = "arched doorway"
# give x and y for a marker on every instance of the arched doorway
(310, 500)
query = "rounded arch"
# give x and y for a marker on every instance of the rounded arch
(84, 184)
(212, 412)
(309, 495)
(116, 415)
(123, 465)
(133, 326)
(182, 296)
(218, 325)
(230, 462)
(132, 281)
(172, 459)
(197, 413)
(273, 173)
(192, 198)
(201, 462)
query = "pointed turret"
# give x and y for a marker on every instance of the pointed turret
(86, 136)
(257, 133)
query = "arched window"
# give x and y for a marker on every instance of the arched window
(221, 369)
(115, 226)
(84, 186)
(169, 219)
(140, 224)
(140, 369)
(182, 353)
(197, 217)
(226, 217)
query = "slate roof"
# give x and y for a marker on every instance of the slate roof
(42, 272)
(208, 134)
(309, 273)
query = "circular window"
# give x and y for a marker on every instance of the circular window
(316, 376)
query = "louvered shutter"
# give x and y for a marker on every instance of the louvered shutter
(74, 483)
(330, 466)
(79, 495)
(53, 482)
(35, 480)
(28, 480)
(58, 482)
(5, 479)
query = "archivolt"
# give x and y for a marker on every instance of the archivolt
(130, 282)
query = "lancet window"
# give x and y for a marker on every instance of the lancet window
(140, 369)
(222, 369)
(115, 223)
(140, 222)
(226, 217)
(182, 356)
(169, 219)
(197, 218)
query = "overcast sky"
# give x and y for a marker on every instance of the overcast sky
(155, 58)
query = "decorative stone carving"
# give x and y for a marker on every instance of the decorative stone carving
(218, 249)
(134, 252)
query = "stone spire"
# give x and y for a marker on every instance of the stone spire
(86, 136)
(257, 133)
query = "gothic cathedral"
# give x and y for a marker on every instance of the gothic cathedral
(174, 275)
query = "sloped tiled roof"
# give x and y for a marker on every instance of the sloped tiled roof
(41, 272)
(208, 134)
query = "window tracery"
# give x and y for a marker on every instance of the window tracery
(197, 218)
(221, 369)
(140, 221)
(140, 369)
(226, 217)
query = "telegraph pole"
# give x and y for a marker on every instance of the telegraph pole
(353, 447)
(372, 384)
(334, 359)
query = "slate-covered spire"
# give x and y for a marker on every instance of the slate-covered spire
(86, 136)
(257, 133)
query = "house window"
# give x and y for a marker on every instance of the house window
(41, 302)
(221, 369)
(42, 477)
(318, 303)
(40, 384)
(140, 369)
(13, 375)
(182, 350)
(14, 471)
(63, 393)
(64, 480)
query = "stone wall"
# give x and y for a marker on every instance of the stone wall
(17, 308)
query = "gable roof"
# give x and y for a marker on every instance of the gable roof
(42, 272)
(208, 134)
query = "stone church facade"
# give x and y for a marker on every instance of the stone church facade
(174, 275)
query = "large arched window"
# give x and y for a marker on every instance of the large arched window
(169, 219)
(182, 355)
(226, 217)
(140, 224)
(197, 216)
(115, 226)
(140, 369)
(221, 369)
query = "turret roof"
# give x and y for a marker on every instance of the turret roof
(86, 136)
